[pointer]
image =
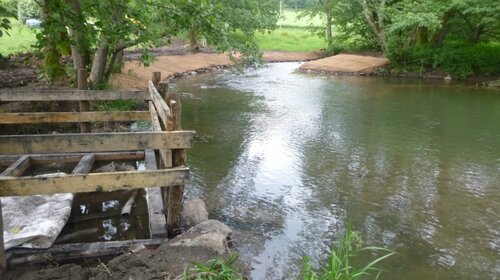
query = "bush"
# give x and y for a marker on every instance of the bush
(8, 8)
(27, 9)
(460, 60)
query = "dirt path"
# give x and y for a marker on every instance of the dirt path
(135, 76)
(346, 63)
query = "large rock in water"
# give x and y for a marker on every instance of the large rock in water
(211, 235)
(193, 213)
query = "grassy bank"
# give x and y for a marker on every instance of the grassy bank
(290, 39)
(20, 40)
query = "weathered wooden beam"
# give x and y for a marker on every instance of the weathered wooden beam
(18, 167)
(71, 95)
(94, 142)
(77, 251)
(161, 106)
(6, 160)
(157, 221)
(69, 117)
(173, 196)
(165, 154)
(93, 182)
(84, 165)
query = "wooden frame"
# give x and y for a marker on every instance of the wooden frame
(160, 150)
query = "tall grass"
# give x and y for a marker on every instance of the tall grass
(290, 39)
(216, 269)
(342, 264)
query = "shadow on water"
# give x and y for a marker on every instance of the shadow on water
(288, 159)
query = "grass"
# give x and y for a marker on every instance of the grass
(216, 269)
(20, 40)
(342, 263)
(290, 39)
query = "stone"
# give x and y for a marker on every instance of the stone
(448, 78)
(113, 167)
(193, 213)
(211, 235)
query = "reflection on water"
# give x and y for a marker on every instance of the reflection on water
(289, 159)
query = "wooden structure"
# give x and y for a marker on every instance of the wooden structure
(162, 151)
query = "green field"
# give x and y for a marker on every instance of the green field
(290, 39)
(289, 18)
(292, 34)
(20, 40)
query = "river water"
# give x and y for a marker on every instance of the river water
(288, 160)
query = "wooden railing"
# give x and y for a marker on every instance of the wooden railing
(161, 149)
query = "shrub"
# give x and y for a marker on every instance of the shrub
(341, 263)
(27, 9)
(8, 8)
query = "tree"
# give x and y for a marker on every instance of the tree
(106, 28)
(326, 10)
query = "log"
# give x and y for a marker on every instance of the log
(84, 165)
(77, 251)
(93, 182)
(84, 105)
(6, 160)
(71, 95)
(94, 142)
(71, 117)
(18, 167)
(127, 208)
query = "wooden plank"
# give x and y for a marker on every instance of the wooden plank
(84, 165)
(157, 221)
(18, 167)
(93, 182)
(71, 95)
(77, 251)
(94, 142)
(6, 160)
(69, 117)
(161, 106)
(165, 154)
(83, 105)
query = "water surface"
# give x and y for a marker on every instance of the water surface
(289, 159)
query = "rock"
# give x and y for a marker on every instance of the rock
(211, 235)
(448, 78)
(193, 213)
(112, 167)
(193, 73)
(33, 23)
(494, 84)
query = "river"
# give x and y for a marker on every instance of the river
(288, 160)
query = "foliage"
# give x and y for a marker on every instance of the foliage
(457, 59)
(27, 9)
(342, 261)
(216, 269)
(5, 24)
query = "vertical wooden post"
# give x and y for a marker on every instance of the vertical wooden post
(3, 264)
(156, 79)
(173, 198)
(84, 105)
(162, 89)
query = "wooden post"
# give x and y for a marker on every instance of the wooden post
(162, 89)
(84, 105)
(156, 79)
(173, 198)
(3, 265)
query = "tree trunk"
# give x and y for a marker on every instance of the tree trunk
(80, 52)
(376, 22)
(329, 36)
(421, 36)
(193, 42)
(51, 53)
(99, 63)
(476, 34)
